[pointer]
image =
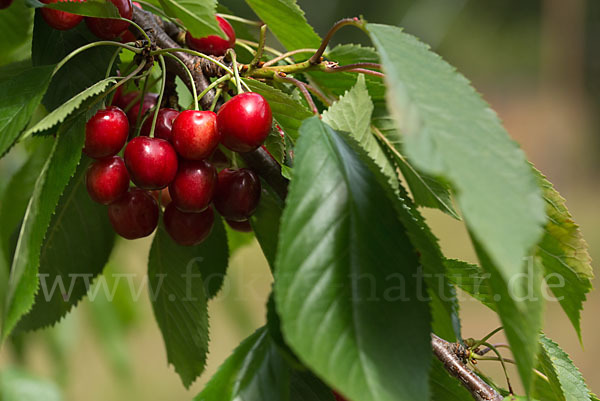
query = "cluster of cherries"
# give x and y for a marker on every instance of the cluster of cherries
(183, 156)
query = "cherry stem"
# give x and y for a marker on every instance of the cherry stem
(302, 86)
(267, 48)
(357, 70)
(240, 19)
(487, 337)
(260, 48)
(216, 98)
(163, 66)
(141, 108)
(193, 52)
(319, 94)
(236, 71)
(139, 28)
(112, 62)
(286, 55)
(213, 84)
(490, 346)
(316, 58)
(191, 78)
(89, 46)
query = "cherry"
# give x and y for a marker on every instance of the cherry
(106, 133)
(162, 196)
(127, 36)
(107, 28)
(107, 180)
(60, 20)
(164, 124)
(188, 228)
(241, 226)
(237, 194)
(213, 44)
(142, 107)
(134, 215)
(195, 134)
(244, 122)
(194, 185)
(152, 162)
(338, 397)
(124, 99)
(5, 4)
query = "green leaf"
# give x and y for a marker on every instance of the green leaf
(265, 222)
(565, 379)
(181, 279)
(16, 385)
(19, 97)
(55, 176)
(336, 278)
(451, 132)
(471, 279)
(84, 70)
(287, 111)
(76, 247)
(255, 371)
(275, 145)
(89, 8)
(287, 22)
(564, 255)
(198, 16)
(237, 240)
(15, 24)
(59, 114)
(338, 83)
(445, 387)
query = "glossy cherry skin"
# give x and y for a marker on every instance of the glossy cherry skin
(141, 107)
(60, 20)
(241, 226)
(188, 228)
(194, 185)
(123, 100)
(5, 4)
(151, 162)
(107, 180)
(106, 133)
(213, 44)
(106, 28)
(237, 194)
(164, 124)
(195, 134)
(134, 215)
(244, 122)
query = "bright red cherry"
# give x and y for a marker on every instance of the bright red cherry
(195, 134)
(244, 122)
(106, 133)
(188, 228)
(107, 180)
(107, 28)
(164, 124)
(194, 185)
(237, 194)
(151, 162)
(5, 4)
(134, 215)
(213, 44)
(60, 20)
(141, 107)
(241, 226)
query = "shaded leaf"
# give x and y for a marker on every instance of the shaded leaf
(16, 385)
(198, 16)
(265, 222)
(89, 8)
(76, 247)
(19, 97)
(16, 23)
(333, 292)
(445, 387)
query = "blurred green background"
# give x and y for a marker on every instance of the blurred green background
(536, 61)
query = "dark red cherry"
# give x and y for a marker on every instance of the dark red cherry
(338, 397)
(106, 28)
(134, 215)
(188, 228)
(194, 185)
(241, 226)
(164, 124)
(124, 99)
(195, 134)
(106, 133)
(237, 194)
(213, 44)
(141, 107)
(151, 162)
(127, 36)
(5, 4)
(107, 180)
(60, 20)
(244, 122)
